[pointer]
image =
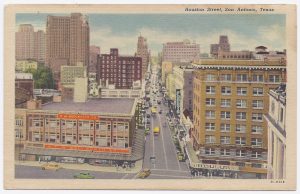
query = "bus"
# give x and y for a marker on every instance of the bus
(156, 131)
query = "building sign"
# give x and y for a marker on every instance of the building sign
(177, 103)
(78, 116)
(87, 148)
(215, 167)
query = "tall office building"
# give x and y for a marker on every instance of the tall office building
(30, 44)
(94, 52)
(222, 46)
(178, 52)
(67, 41)
(230, 99)
(144, 53)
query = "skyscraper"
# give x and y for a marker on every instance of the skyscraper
(67, 41)
(142, 51)
(222, 46)
(30, 44)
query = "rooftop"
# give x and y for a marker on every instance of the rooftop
(218, 62)
(107, 105)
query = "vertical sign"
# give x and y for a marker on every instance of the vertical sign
(177, 103)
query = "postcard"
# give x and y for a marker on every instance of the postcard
(177, 97)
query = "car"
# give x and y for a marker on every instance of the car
(144, 173)
(51, 166)
(160, 112)
(148, 115)
(83, 175)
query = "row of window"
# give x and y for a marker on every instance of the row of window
(240, 128)
(241, 91)
(211, 139)
(237, 153)
(226, 115)
(243, 78)
(240, 103)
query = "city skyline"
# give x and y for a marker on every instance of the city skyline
(122, 30)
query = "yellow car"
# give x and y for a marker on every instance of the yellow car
(50, 166)
(144, 173)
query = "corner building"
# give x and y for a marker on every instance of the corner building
(230, 99)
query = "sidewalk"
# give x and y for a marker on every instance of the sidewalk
(87, 167)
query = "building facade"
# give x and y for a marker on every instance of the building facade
(67, 40)
(184, 89)
(94, 52)
(30, 44)
(277, 133)
(22, 66)
(170, 86)
(122, 71)
(142, 51)
(96, 131)
(181, 51)
(24, 85)
(230, 99)
(166, 68)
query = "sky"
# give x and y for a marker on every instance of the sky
(245, 32)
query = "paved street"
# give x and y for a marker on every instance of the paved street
(165, 164)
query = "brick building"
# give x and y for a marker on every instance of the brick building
(120, 71)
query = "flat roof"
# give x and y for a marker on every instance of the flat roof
(103, 105)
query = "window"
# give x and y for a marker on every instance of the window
(210, 114)
(242, 77)
(210, 126)
(281, 114)
(255, 165)
(274, 78)
(226, 77)
(256, 129)
(210, 101)
(257, 117)
(210, 89)
(19, 122)
(255, 154)
(225, 115)
(240, 153)
(210, 139)
(210, 77)
(226, 90)
(257, 78)
(241, 91)
(225, 152)
(240, 140)
(225, 140)
(225, 127)
(258, 91)
(257, 104)
(225, 103)
(240, 103)
(210, 151)
(256, 142)
(239, 128)
(241, 115)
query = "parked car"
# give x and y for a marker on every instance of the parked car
(83, 175)
(144, 173)
(51, 166)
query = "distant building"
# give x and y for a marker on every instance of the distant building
(170, 86)
(166, 68)
(144, 53)
(181, 51)
(68, 76)
(30, 45)
(24, 65)
(121, 71)
(262, 53)
(276, 118)
(68, 39)
(222, 46)
(94, 52)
